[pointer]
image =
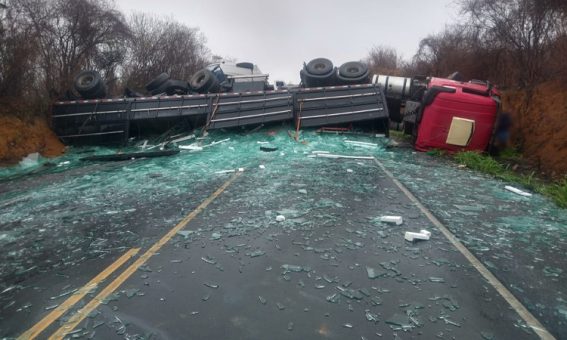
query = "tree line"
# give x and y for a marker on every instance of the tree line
(514, 43)
(44, 44)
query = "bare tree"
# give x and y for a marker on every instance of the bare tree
(384, 60)
(18, 54)
(525, 29)
(73, 35)
(162, 45)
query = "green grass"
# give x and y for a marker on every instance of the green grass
(399, 135)
(556, 191)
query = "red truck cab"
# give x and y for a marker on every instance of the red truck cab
(457, 116)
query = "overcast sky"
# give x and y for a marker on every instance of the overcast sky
(279, 36)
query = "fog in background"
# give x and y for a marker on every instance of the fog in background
(280, 35)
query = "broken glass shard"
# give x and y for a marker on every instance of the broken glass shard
(256, 253)
(262, 300)
(291, 268)
(373, 273)
(334, 298)
(209, 260)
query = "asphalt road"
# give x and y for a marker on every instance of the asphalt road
(234, 272)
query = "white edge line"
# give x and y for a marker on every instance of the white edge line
(524, 313)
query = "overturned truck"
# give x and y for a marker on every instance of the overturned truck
(439, 113)
(220, 96)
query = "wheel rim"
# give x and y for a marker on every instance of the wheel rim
(352, 69)
(86, 80)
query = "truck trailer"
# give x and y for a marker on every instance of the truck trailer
(439, 113)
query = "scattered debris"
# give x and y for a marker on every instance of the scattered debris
(185, 233)
(262, 300)
(373, 273)
(225, 171)
(398, 220)
(361, 144)
(30, 160)
(517, 191)
(177, 140)
(329, 155)
(268, 148)
(422, 235)
(131, 155)
(191, 147)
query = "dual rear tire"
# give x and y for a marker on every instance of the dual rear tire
(321, 72)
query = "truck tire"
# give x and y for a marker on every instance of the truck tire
(353, 69)
(130, 93)
(101, 92)
(157, 82)
(319, 67)
(173, 86)
(311, 80)
(70, 95)
(202, 80)
(88, 83)
(214, 87)
(353, 72)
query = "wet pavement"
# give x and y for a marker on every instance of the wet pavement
(330, 270)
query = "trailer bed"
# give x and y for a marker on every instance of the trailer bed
(114, 120)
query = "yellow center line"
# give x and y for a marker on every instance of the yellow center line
(95, 302)
(76, 297)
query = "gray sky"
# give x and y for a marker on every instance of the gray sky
(279, 36)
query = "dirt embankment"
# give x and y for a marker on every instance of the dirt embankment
(540, 126)
(22, 136)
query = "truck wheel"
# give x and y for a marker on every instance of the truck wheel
(130, 93)
(202, 80)
(101, 92)
(173, 86)
(88, 83)
(157, 82)
(70, 95)
(353, 72)
(353, 69)
(319, 66)
(214, 87)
